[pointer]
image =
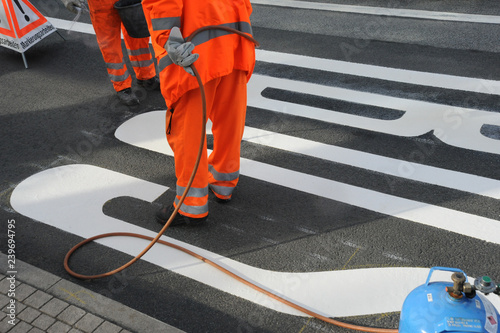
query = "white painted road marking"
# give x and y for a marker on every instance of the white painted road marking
(456, 126)
(390, 166)
(383, 11)
(52, 196)
(435, 216)
(155, 140)
(427, 79)
(337, 66)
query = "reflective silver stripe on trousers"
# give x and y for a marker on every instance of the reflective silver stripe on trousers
(222, 190)
(223, 177)
(115, 65)
(137, 52)
(118, 78)
(193, 191)
(142, 63)
(207, 35)
(195, 210)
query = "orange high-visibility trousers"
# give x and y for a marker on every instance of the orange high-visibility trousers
(226, 107)
(108, 27)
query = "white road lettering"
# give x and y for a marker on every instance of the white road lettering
(435, 216)
(456, 126)
(52, 197)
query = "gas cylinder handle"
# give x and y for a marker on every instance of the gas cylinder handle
(449, 269)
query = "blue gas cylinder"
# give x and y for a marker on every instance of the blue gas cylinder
(434, 307)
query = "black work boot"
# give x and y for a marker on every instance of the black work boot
(128, 97)
(165, 212)
(150, 84)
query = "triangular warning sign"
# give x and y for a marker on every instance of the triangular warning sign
(22, 25)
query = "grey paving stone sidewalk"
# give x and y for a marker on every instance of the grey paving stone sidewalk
(33, 301)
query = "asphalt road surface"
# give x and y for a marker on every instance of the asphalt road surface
(370, 155)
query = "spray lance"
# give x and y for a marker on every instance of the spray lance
(77, 7)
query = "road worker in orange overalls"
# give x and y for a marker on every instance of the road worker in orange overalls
(225, 62)
(108, 28)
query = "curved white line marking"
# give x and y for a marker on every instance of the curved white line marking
(54, 195)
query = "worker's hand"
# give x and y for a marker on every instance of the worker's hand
(179, 51)
(73, 5)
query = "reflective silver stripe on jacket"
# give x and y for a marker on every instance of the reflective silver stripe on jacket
(165, 23)
(223, 177)
(207, 35)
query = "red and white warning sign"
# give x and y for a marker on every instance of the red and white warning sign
(22, 25)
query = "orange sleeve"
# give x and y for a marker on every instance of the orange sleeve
(161, 16)
(249, 7)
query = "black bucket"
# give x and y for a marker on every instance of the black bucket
(133, 18)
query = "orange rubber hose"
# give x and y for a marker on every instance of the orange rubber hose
(181, 200)
(157, 239)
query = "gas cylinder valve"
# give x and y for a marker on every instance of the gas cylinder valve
(485, 285)
(460, 286)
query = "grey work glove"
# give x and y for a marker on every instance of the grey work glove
(73, 5)
(180, 51)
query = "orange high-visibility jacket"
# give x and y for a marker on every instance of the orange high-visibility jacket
(220, 52)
